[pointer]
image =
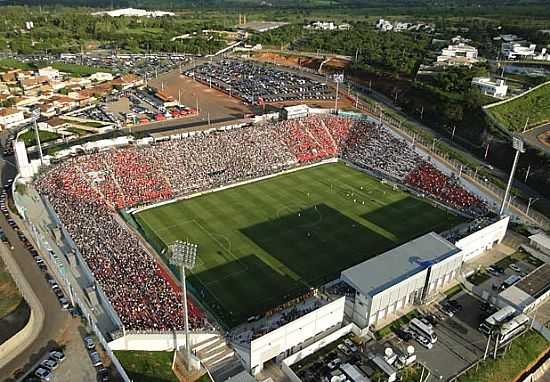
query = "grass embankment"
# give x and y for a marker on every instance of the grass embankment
(80, 70)
(29, 137)
(144, 366)
(10, 297)
(534, 106)
(507, 367)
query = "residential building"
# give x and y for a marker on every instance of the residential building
(492, 88)
(517, 50)
(459, 54)
(10, 117)
(49, 72)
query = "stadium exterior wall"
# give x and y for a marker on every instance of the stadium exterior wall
(291, 337)
(157, 341)
(480, 241)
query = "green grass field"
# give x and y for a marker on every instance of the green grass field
(29, 137)
(263, 243)
(143, 366)
(534, 105)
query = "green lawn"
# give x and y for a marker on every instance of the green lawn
(10, 297)
(534, 105)
(263, 243)
(506, 368)
(29, 137)
(143, 366)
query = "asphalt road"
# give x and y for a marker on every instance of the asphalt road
(55, 318)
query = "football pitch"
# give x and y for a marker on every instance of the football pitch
(263, 243)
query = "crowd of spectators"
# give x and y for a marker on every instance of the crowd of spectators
(447, 189)
(132, 280)
(86, 191)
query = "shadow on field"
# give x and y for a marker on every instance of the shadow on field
(402, 218)
(317, 243)
(237, 290)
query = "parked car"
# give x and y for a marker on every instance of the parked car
(515, 268)
(57, 355)
(49, 364)
(493, 271)
(423, 341)
(89, 342)
(334, 363)
(43, 374)
(404, 334)
(103, 374)
(96, 360)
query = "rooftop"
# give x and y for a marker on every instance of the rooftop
(398, 264)
(537, 282)
(541, 239)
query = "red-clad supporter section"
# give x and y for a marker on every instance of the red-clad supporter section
(86, 190)
(442, 187)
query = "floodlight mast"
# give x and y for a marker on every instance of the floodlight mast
(183, 254)
(517, 143)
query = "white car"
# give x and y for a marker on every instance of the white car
(56, 355)
(43, 374)
(334, 363)
(423, 341)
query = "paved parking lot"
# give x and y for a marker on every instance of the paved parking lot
(459, 343)
(256, 84)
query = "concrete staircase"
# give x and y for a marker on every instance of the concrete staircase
(213, 352)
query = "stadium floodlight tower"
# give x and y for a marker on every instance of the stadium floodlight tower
(517, 143)
(183, 254)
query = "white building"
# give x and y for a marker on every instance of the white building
(530, 291)
(389, 283)
(516, 50)
(492, 88)
(459, 54)
(540, 242)
(101, 77)
(133, 12)
(293, 336)
(543, 55)
(297, 111)
(10, 117)
(327, 26)
(51, 73)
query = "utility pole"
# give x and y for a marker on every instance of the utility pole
(422, 113)
(527, 173)
(531, 201)
(453, 135)
(487, 151)
(38, 142)
(518, 146)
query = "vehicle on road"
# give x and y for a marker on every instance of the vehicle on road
(49, 364)
(89, 342)
(57, 355)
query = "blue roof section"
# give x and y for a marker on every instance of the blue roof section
(381, 272)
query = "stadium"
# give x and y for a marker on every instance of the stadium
(282, 212)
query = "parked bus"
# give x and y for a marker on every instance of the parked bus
(513, 327)
(505, 314)
(423, 329)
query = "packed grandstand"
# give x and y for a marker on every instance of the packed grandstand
(85, 191)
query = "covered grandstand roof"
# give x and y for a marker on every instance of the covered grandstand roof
(383, 271)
